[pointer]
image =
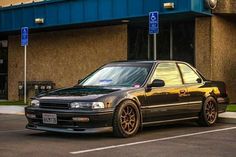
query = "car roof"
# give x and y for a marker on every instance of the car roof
(147, 61)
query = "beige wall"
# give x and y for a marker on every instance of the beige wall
(226, 7)
(65, 56)
(215, 48)
(224, 52)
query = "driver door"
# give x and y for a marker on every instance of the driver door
(167, 102)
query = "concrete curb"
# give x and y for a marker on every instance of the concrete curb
(17, 110)
(227, 117)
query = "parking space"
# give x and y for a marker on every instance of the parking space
(183, 139)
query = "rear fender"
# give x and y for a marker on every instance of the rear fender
(221, 86)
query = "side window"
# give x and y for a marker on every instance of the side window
(169, 73)
(189, 75)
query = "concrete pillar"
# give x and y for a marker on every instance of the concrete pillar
(203, 45)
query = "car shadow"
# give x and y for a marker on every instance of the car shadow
(92, 136)
(81, 136)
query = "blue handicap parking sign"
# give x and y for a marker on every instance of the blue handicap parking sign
(24, 36)
(154, 22)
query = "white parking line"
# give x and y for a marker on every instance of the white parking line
(150, 141)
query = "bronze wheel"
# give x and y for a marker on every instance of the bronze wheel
(209, 113)
(126, 120)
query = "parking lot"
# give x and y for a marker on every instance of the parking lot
(183, 139)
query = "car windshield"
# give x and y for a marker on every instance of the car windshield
(119, 76)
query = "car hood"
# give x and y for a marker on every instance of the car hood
(78, 93)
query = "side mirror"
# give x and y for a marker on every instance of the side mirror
(199, 80)
(79, 81)
(157, 83)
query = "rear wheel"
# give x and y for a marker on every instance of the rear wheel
(209, 113)
(126, 119)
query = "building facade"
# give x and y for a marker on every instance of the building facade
(69, 39)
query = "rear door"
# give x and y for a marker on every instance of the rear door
(166, 102)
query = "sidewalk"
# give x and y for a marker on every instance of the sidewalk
(227, 117)
(18, 110)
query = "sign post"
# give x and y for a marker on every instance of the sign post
(154, 29)
(24, 42)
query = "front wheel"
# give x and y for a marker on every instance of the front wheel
(126, 119)
(209, 112)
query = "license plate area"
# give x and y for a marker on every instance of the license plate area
(49, 118)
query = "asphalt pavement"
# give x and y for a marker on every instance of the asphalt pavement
(182, 139)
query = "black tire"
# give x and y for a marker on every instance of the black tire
(126, 119)
(209, 112)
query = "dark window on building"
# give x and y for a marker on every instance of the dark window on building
(137, 42)
(163, 42)
(183, 41)
(3, 69)
(175, 41)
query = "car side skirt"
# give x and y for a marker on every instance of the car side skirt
(169, 121)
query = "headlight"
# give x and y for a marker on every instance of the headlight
(87, 105)
(97, 105)
(34, 103)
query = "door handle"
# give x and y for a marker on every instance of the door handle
(183, 93)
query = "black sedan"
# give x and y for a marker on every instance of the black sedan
(125, 96)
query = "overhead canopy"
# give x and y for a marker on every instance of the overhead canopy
(57, 13)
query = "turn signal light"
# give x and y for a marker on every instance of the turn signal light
(80, 119)
(31, 115)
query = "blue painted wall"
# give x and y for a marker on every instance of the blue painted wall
(68, 12)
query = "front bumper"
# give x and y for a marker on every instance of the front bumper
(99, 121)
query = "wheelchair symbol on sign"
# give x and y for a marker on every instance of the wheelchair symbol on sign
(153, 17)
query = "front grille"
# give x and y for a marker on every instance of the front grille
(54, 106)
